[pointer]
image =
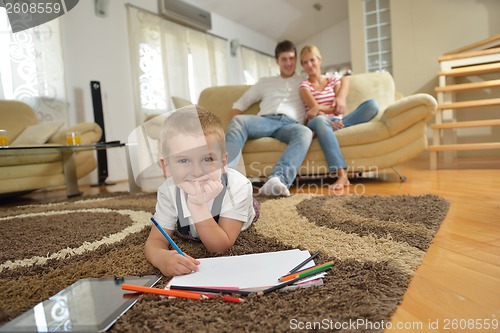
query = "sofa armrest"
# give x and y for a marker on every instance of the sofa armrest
(90, 132)
(407, 111)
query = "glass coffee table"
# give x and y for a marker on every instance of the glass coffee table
(68, 160)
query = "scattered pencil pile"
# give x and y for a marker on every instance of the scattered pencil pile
(294, 276)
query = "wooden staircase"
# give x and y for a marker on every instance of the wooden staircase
(476, 59)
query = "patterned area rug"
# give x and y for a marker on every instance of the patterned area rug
(377, 242)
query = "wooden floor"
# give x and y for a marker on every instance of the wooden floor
(457, 287)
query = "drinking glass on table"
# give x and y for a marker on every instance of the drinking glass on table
(73, 138)
(4, 141)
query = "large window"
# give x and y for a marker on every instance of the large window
(31, 68)
(378, 35)
(257, 65)
(170, 60)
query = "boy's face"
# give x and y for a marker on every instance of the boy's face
(194, 158)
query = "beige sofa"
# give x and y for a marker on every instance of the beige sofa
(26, 170)
(395, 135)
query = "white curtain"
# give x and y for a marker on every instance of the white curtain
(257, 65)
(147, 63)
(32, 68)
(175, 51)
(169, 60)
(209, 61)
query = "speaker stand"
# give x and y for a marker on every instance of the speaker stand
(102, 159)
(102, 169)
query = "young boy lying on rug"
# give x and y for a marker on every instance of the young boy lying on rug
(201, 198)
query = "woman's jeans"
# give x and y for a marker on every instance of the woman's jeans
(297, 137)
(321, 125)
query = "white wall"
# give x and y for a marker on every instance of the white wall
(229, 30)
(426, 29)
(333, 43)
(96, 48)
(421, 32)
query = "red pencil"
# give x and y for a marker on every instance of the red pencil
(226, 298)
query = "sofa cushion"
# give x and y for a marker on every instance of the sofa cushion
(180, 102)
(372, 131)
(220, 100)
(378, 86)
(90, 132)
(402, 114)
(37, 134)
(15, 116)
(30, 157)
(31, 170)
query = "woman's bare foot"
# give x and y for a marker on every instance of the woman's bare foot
(342, 181)
(339, 184)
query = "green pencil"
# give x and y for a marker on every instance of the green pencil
(297, 279)
(305, 271)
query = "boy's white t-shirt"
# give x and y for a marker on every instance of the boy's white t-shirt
(237, 203)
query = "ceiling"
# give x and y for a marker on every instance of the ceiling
(296, 20)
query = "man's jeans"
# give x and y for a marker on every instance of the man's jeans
(298, 138)
(324, 132)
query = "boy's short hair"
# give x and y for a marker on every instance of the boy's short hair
(284, 46)
(191, 120)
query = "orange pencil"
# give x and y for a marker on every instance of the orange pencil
(164, 292)
(179, 293)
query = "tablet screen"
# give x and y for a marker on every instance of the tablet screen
(88, 305)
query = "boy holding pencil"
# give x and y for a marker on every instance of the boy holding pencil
(201, 199)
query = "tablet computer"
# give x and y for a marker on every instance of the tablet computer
(88, 305)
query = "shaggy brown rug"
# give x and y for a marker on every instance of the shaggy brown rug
(377, 242)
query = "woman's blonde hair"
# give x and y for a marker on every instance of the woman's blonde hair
(310, 49)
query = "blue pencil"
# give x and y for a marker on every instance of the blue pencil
(170, 240)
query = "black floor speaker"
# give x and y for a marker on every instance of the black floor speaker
(102, 158)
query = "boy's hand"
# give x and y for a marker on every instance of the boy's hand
(199, 194)
(174, 264)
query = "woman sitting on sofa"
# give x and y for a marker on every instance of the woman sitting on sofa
(325, 101)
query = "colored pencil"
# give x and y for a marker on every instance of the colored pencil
(226, 298)
(305, 271)
(179, 293)
(164, 292)
(212, 290)
(170, 240)
(299, 266)
(290, 282)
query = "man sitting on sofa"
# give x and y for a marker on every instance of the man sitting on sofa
(281, 116)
